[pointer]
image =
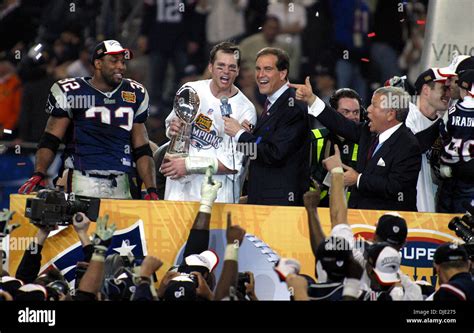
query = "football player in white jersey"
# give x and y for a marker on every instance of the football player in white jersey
(209, 145)
(433, 100)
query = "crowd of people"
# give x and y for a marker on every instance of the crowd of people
(270, 140)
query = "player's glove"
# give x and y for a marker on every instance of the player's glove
(152, 194)
(35, 183)
(5, 217)
(103, 236)
(209, 189)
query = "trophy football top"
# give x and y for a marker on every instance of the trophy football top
(186, 104)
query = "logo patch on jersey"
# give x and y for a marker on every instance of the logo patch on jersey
(129, 96)
(210, 111)
(203, 122)
(201, 139)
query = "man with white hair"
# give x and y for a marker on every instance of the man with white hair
(389, 157)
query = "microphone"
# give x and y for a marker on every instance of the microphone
(226, 108)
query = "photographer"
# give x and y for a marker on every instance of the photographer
(184, 283)
(94, 276)
(144, 285)
(30, 264)
(451, 264)
(246, 287)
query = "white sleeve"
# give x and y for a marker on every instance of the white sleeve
(317, 107)
(410, 122)
(412, 290)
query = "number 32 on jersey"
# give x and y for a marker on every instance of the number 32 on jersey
(122, 114)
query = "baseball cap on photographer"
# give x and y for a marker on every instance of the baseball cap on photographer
(10, 284)
(181, 288)
(110, 47)
(392, 228)
(385, 261)
(450, 252)
(204, 262)
(31, 292)
(333, 254)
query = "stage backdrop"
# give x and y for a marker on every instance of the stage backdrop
(160, 228)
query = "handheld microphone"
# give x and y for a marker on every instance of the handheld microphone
(226, 108)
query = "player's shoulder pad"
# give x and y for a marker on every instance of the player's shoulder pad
(66, 86)
(452, 108)
(134, 87)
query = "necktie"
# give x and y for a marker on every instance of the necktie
(375, 143)
(266, 106)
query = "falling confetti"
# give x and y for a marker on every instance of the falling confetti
(364, 60)
(317, 14)
(3, 149)
(21, 164)
(372, 34)
(259, 28)
(7, 131)
(420, 22)
(402, 20)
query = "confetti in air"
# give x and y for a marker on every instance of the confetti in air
(7, 131)
(372, 34)
(364, 60)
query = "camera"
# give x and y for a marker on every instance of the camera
(193, 278)
(51, 207)
(464, 228)
(242, 279)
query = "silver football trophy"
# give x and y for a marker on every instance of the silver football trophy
(186, 106)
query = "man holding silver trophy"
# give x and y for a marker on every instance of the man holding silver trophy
(196, 129)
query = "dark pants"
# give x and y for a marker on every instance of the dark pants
(452, 194)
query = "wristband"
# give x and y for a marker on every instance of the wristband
(337, 170)
(205, 209)
(199, 164)
(100, 250)
(351, 287)
(142, 279)
(98, 257)
(231, 252)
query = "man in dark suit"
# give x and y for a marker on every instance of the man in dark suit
(389, 157)
(279, 172)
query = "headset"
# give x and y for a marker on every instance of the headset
(348, 93)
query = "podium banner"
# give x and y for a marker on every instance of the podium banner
(161, 228)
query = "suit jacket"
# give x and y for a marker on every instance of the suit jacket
(389, 178)
(280, 172)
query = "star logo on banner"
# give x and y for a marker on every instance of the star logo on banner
(125, 249)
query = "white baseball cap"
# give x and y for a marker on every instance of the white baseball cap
(110, 47)
(454, 67)
(387, 263)
(207, 259)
